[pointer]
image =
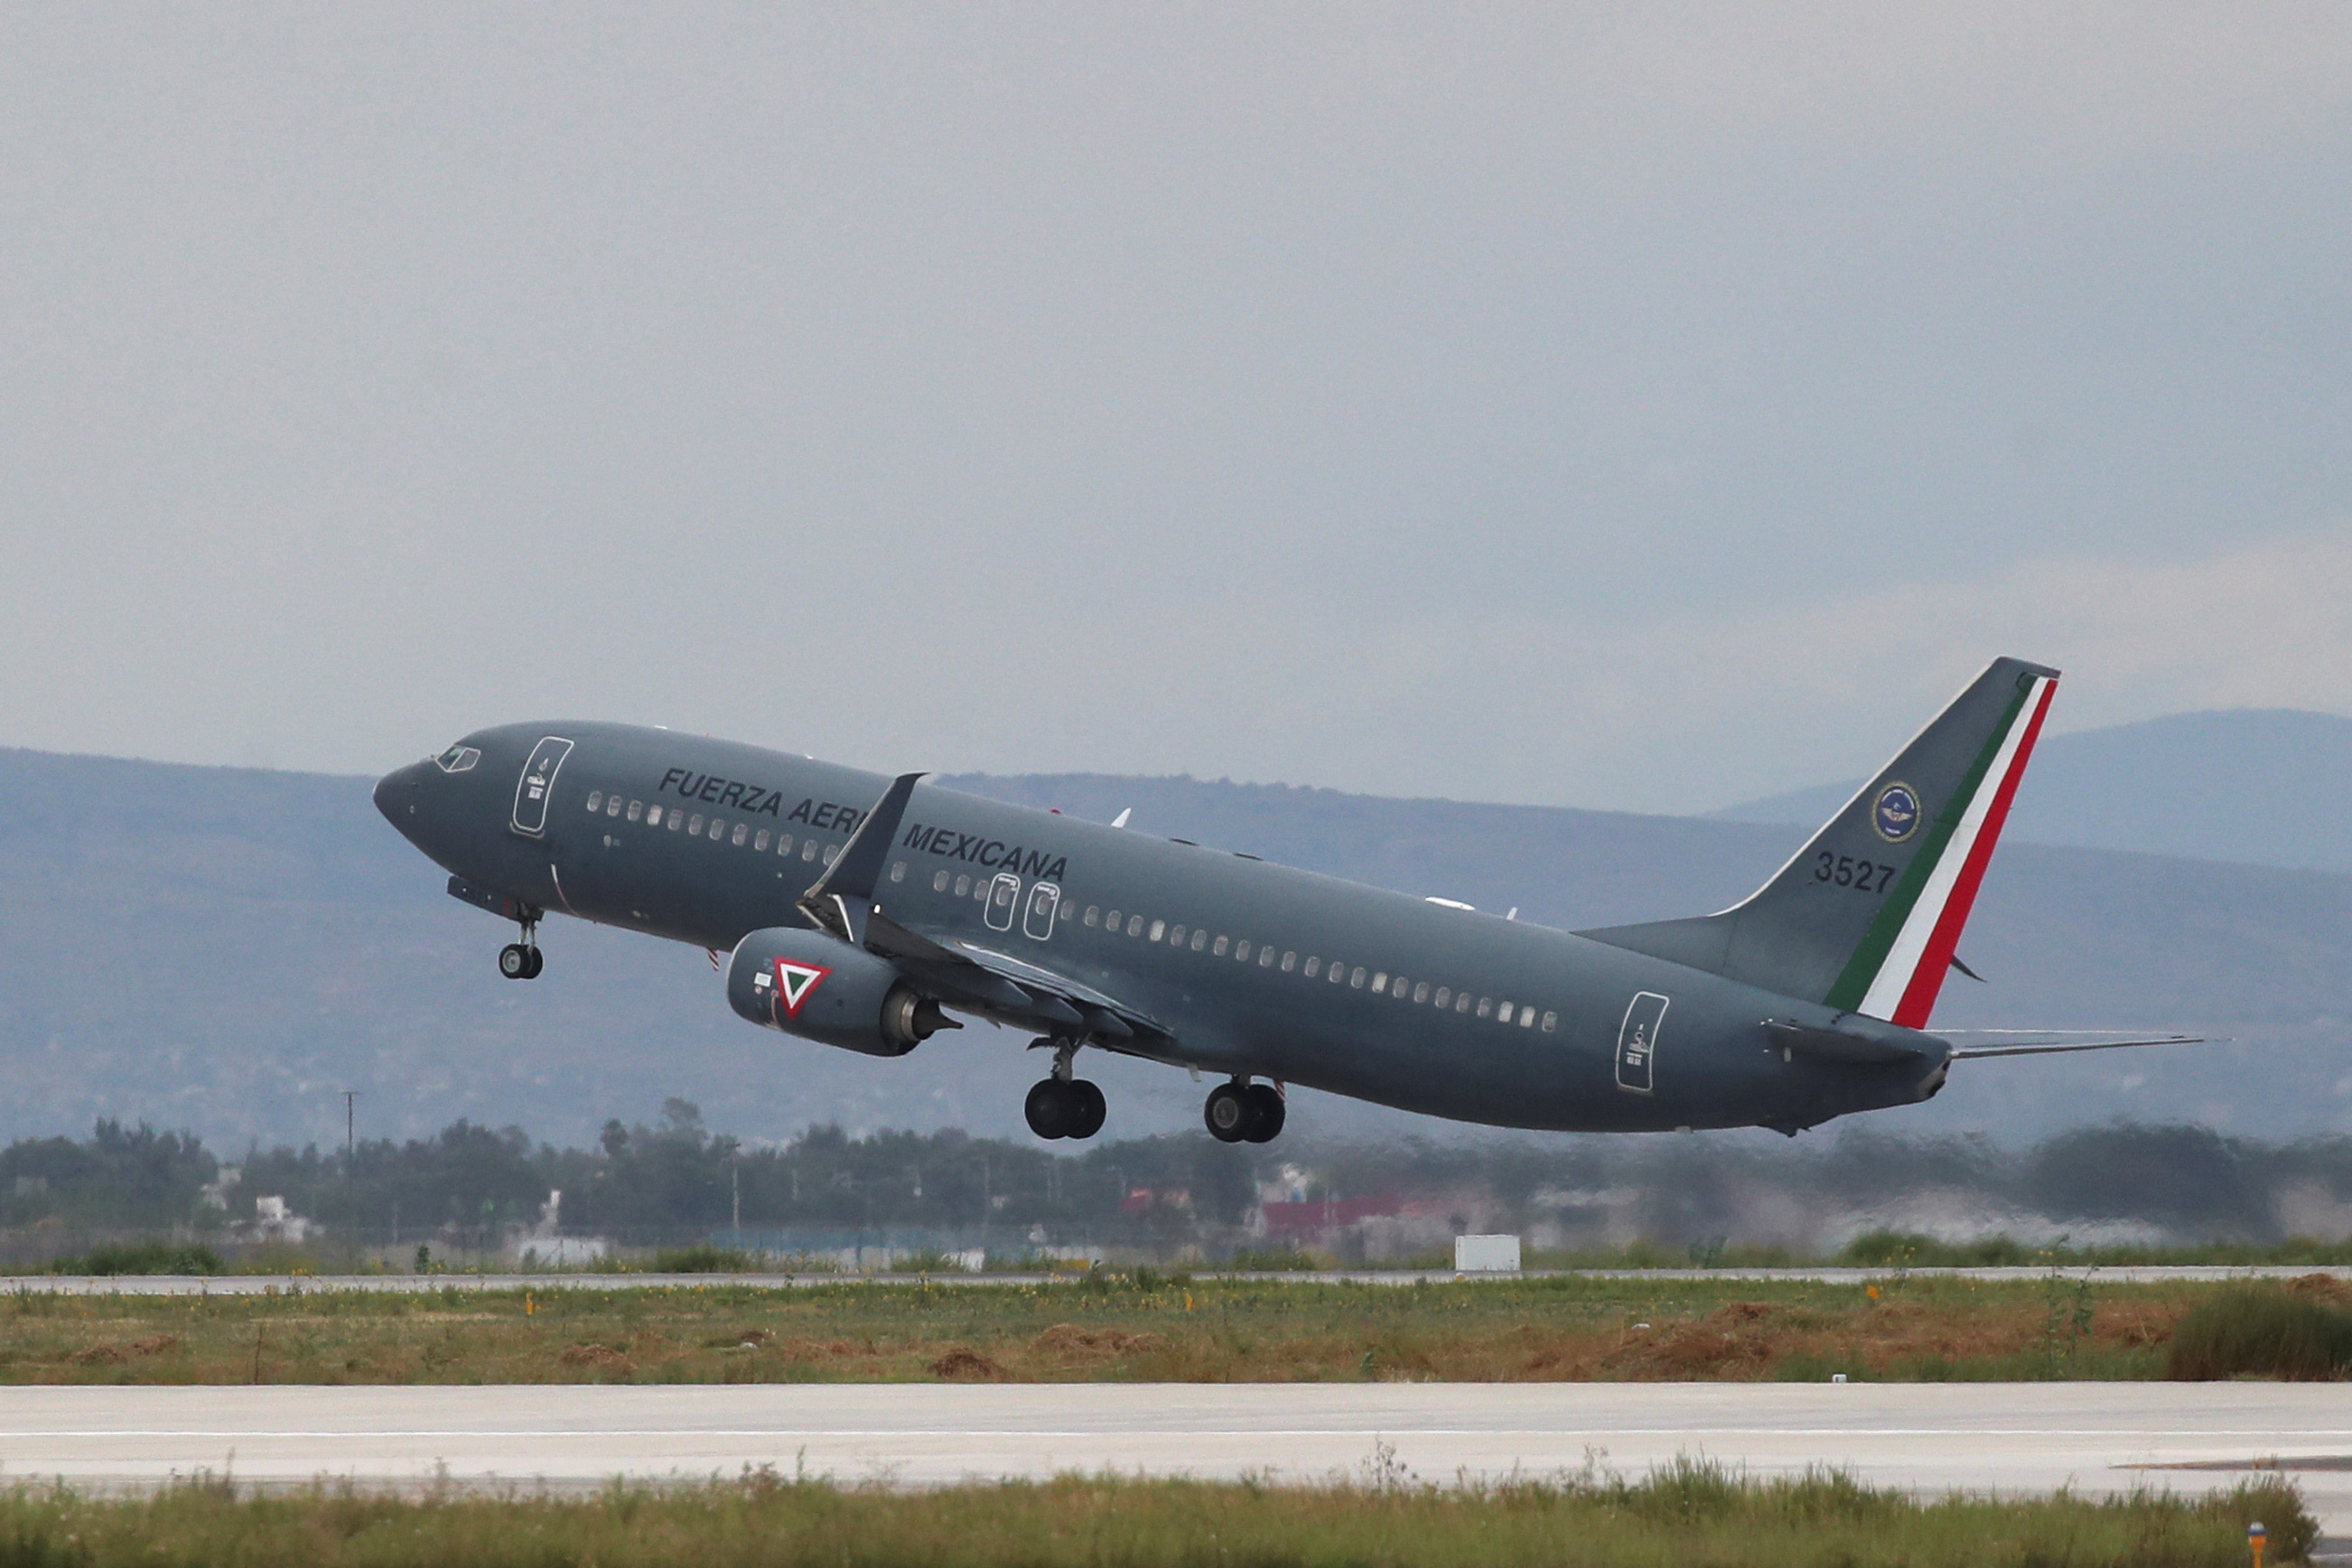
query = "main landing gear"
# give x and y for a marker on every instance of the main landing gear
(1061, 1106)
(522, 960)
(1243, 1111)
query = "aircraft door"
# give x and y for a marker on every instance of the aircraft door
(1637, 1041)
(1003, 897)
(537, 783)
(1044, 899)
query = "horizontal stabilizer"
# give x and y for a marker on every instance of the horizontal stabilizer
(2047, 1048)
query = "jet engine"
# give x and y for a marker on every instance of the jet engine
(808, 983)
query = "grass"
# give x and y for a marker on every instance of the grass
(2261, 1331)
(1687, 1512)
(1140, 1328)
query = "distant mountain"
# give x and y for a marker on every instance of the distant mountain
(2267, 787)
(227, 950)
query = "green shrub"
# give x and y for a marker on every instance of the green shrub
(2260, 1332)
(701, 1258)
(144, 1257)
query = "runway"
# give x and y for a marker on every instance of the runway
(284, 1284)
(2008, 1437)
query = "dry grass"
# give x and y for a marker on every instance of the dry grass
(1548, 1330)
(1688, 1512)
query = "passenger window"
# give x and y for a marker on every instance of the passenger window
(613, 805)
(1175, 936)
(1135, 925)
(1201, 940)
(1551, 1021)
(694, 826)
(1527, 1017)
(1242, 951)
(1110, 921)
(898, 871)
(784, 843)
(940, 882)
(1217, 949)
(743, 831)
(1486, 1006)
(718, 829)
(1421, 992)
(1265, 958)
(1462, 1003)
(1356, 981)
(595, 800)
(1311, 965)
(808, 851)
(1444, 997)
(1502, 1011)
(963, 886)
(1003, 895)
(760, 842)
(1158, 929)
(1289, 960)
(675, 819)
(653, 815)
(1379, 982)
(636, 809)
(830, 851)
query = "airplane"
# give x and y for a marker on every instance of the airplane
(867, 913)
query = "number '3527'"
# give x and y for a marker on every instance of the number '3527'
(1846, 871)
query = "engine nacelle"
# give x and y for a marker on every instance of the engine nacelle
(807, 984)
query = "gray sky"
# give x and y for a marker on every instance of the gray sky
(1650, 406)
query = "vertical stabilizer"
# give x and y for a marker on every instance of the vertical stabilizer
(1867, 916)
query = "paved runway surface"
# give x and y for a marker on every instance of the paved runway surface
(266, 1284)
(2006, 1436)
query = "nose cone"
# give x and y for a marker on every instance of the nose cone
(398, 793)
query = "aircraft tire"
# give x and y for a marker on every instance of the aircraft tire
(514, 961)
(1088, 1109)
(1050, 1107)
(537, 962)
(1265, 1112)
(1227, 1113)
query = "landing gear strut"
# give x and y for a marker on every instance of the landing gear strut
(1061, 1106)
(522, 960)
(1242, 1110)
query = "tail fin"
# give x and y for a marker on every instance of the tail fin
(1865, 917)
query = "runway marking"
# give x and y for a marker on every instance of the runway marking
(599, 1433)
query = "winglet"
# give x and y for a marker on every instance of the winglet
(842, 900)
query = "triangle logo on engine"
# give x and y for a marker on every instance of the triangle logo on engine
(794, 982)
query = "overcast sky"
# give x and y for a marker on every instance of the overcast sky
(1648, 406)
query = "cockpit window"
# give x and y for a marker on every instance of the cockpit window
(457, 759)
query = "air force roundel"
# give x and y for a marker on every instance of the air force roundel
(1896, 812)
(794, 982)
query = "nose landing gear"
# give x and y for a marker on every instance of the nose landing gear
(1243, 1112)
(522, 960)
(1061, 1106)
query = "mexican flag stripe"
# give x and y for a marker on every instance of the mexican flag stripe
(1905, 986)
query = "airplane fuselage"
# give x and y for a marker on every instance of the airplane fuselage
(1248, 968)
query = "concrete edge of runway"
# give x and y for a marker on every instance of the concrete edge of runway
(290, 1284)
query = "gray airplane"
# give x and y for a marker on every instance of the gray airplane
(862, 911)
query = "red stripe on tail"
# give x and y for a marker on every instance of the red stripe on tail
(1936, 959)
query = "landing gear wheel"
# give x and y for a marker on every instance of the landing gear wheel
(537, 962)
(1051, 1109)
(1227, 1112)
(1265, 1112)
(1087, 1108)
(516, 961)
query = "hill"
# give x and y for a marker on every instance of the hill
(2263, 786)
(227, 949)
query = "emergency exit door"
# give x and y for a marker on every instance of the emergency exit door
(538, 781)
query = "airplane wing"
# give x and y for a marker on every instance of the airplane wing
(964, 975)
(2053, 1042)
